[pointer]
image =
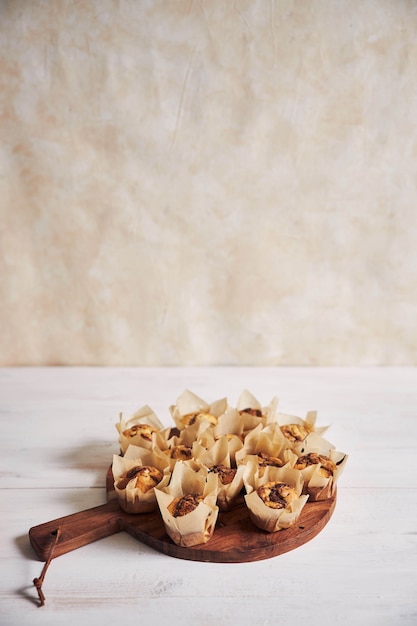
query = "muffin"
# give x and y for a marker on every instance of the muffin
(190, 409)
(320, 473)
(296, 430)
(135, 477)
(264, 440)
(275, 500)
(188, 505)
(252, 412)
(139, 430)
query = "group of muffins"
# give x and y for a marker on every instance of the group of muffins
(214, 453)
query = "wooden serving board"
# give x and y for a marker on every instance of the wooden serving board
(235, 539)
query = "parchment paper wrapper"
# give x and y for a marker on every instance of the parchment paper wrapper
(309, 424)
(144, 415)
(231, 426)
(266, 518)
(189, 403)
(267, 439)
(186, 438)
(198, 526)
(314, 442)
(230, 423)
(133, 499)
(319, 487)
(219, 455)
(201, 432)
(234, 444)
(248, 401)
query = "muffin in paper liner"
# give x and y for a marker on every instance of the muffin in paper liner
(230, 423)
(201, 431)
(136, 474)
(198, 525)
(320, 472)
(139, 429)
(275, 519)
(231, 426)
(182, 447)
(296, 429)
(252, 412)
(266, 441)
(190, 408)
(230, 480)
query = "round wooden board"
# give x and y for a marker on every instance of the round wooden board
(235, 539)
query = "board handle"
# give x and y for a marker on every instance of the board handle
(68, 533)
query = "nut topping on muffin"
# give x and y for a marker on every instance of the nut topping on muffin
(144, 430)
(254, 412)
(327, 466)
(295, 432)
(192, 418)
(276, 495)
(146, 477)
(265, 459)
(184, 504)
(180, 452)
(226, 474)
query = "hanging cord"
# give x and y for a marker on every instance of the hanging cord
(38, 582)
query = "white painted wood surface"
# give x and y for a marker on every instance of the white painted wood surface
(58, 435)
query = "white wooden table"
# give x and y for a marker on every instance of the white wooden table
(58, 436)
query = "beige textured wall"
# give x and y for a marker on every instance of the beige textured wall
(208, 182)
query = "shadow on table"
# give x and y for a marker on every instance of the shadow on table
(28, 592)
(92, 458)
(24, 547)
